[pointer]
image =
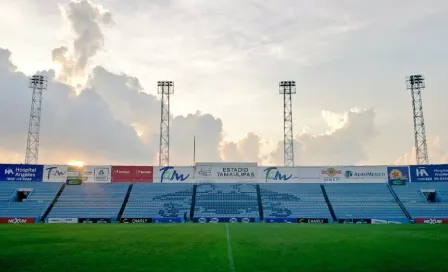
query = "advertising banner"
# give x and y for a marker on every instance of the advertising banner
(171, 174)
(55, 173)
(229, 172)
(168, 220)
(312, 220)
(135, 220)
(224, 220)
(94, 220)
(431, 221)
(355, 221)
(21, 172)
(278, 174)
(281, 220)
(429, 173)
(62, 220)
(382, 221)
(90, 174)
(132, 173)
(14, 220)
(398, 175)
(343, 174)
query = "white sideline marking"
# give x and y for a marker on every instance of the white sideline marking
(229, 250)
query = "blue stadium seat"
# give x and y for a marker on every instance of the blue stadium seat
(294, 201)
(226, 200)
(153, 200)
(416, 203)
(90, 200)
(364, 201)
(36, 204)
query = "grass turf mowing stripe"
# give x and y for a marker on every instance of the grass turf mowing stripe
(229, 250)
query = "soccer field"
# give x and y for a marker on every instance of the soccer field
(222, 247)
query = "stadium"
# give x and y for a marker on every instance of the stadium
(223, 217)
(264, 205)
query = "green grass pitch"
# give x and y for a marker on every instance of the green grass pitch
(205, 247)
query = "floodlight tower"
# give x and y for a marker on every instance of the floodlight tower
(287, 89)
(416, 83)
(165, 89)
(38, 84)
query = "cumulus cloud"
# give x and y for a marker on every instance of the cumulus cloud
(115, 121)
(343, 143)
(85, 19)
(245, 150)
(437, 153)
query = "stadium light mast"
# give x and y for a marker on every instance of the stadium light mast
(416, 83)
(165, 89)
(287, 89)
(38, 84)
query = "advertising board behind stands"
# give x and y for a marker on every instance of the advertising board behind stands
(278, 174)
(171, 174)
(343, 174)
(21, 172)
(298, 220)
(17, 220)
(226, 172)
(132, 173)
(398, 175)
(90, 174)
(429, 173)
(225, 220)
(355, 221)
(62, 220)
(94, 220)
(136, 220)
(431, 221)
(55, 173)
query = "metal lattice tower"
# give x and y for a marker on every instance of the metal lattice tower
(287, 89)
(38, 84)
(165, 89)
(416, 83)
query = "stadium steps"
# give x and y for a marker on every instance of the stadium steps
(193, 202)
(405, 211)
(327, 200)
(52, 203)
(260, 205)
(125, 202)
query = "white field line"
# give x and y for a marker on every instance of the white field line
(229, 250)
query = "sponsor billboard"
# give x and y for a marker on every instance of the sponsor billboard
(136, 220)
(429, 173)
(171, 174)
(278, 174)
(132, 173)
(398, 175)
(226, 172)
(89, 173)
(55, 173)
(62, 220)
(168, 220)
(382, 221)
(224, 220)
(431, 221)
(94, 220)
(15, 220)
(280, 220)
(21, 172)
(312, 220)
(355, 221)
(343, 174)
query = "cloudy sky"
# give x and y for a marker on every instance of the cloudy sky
(103, 59)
